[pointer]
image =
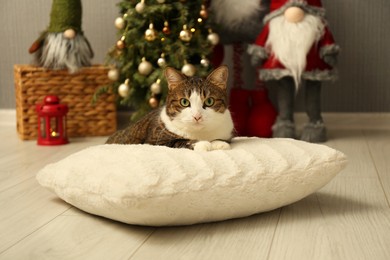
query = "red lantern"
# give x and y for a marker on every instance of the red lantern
(52, 122)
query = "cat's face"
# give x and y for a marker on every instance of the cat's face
(194, 102)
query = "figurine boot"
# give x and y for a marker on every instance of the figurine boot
(284, 125)
(315, 130)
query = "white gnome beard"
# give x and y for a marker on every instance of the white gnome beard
(59, 52)
(291, 42)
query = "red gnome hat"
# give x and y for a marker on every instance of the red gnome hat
(277, 7)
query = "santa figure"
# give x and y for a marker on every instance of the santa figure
(295, 47)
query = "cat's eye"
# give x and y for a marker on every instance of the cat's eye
(209, 102)
(184, 102)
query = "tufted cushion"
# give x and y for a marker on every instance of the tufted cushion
(156, 185)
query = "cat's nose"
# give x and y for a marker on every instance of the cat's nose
(197, 117)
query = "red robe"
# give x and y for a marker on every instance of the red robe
(319, 60)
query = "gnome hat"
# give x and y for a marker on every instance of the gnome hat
(277, 7)
(65, 14)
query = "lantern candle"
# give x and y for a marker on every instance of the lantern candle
(52, 122)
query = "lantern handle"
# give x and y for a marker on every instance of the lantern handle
(51, 100)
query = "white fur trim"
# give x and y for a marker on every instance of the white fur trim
(258, 51)
(319, 75)
(329, 54)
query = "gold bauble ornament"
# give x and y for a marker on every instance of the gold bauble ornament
(166, 29)
(151, 33)
(145, 67)
(153, 102)
(123, 89)
(205, 62)
(120, 23)
(161, 62)
(113, 74)
(120, 44)
(213, 38)
(140, 7)
(203, 12)
(155, 88)
(188, 70)
(185, 34)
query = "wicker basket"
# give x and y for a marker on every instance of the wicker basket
(32, 84)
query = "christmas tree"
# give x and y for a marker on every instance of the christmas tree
(153, 34)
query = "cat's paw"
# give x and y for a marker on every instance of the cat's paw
(202, 146)
(220, 145)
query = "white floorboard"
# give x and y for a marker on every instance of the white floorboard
(347, 219)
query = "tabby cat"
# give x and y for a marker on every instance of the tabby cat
(195, 115)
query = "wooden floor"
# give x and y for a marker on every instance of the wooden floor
(348, 219)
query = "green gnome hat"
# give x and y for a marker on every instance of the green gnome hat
(65, 14)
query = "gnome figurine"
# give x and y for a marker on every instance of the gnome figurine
(63, 45)
(294, 47)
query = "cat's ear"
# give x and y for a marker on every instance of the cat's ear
(219, 77)
(173, 77)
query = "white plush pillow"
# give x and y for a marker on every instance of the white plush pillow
(156, 185)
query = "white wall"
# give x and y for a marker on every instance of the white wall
(360, 27)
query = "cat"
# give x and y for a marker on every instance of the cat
(195, 115)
